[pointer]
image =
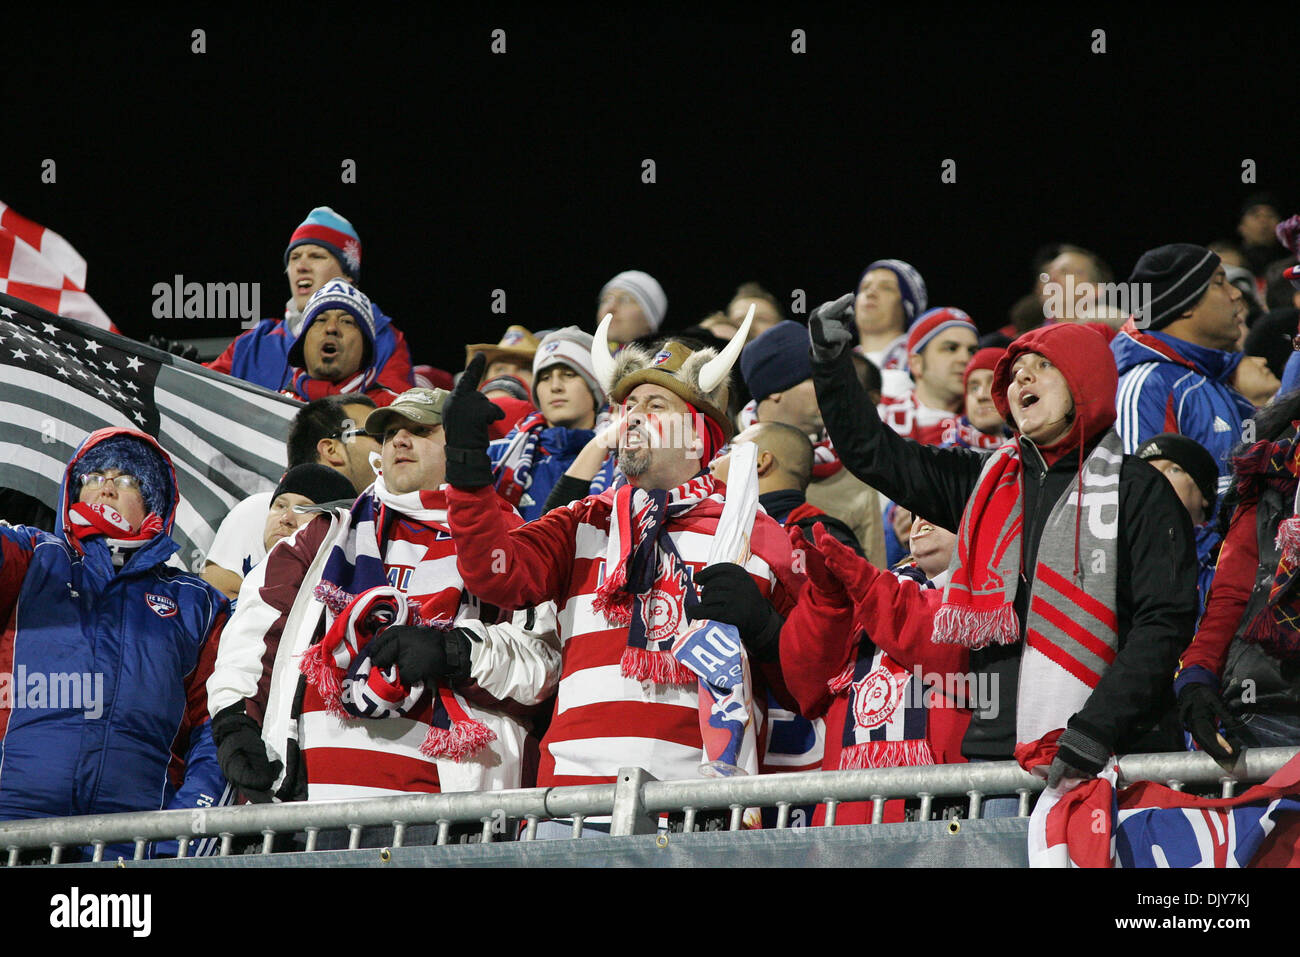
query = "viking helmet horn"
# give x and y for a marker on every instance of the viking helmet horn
(602, 362)
(718, 368)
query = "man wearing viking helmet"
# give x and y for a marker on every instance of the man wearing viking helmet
(623, 566)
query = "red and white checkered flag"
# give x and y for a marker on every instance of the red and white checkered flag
(39, 266)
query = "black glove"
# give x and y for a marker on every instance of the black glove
(175, 348)
(1200, 709)
(241, 753)
(728, 594)
(831, 327)
(423, 654)
(466, 415)
(1078, 755)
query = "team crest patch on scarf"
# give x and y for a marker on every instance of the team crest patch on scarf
(885, 723)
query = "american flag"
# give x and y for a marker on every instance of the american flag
(39, 266)
(60, 379)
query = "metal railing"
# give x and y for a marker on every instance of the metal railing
(631, 804)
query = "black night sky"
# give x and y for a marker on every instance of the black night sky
(522, 171)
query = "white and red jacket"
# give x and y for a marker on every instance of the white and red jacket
(603, 720)
(514, 666)
(912, 419)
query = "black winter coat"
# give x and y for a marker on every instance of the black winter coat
(1132, 709)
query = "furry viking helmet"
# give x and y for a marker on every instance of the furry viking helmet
(699, 378)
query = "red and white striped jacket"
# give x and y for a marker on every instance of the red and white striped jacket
(514, 665)
(602, 720)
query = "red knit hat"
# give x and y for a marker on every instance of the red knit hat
(934, 322)
(1088, 365)
(984, 359)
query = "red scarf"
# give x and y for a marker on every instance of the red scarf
(977, 609)
(86, 519)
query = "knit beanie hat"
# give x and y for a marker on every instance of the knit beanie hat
(984, 359)
(135, 457)
(569, 347)
(933, 323)
(324, 227)
(776, 360)
(337, 294)
(910, 284)
(1273, 336)
(1190, 456)
(646, 290)
(320, 483)
(1176, 275)
(512, 385)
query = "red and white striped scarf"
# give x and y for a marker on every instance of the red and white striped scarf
(397, 545)
(87, 518)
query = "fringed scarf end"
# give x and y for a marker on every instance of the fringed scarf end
(886, 754)
(464, 739)
(958, 625)
(657, 666)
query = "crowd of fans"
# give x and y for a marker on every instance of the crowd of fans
(1081, 525)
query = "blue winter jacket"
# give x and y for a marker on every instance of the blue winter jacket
(261, 356)
(1169, 385)
(556, 449)
(105, 709)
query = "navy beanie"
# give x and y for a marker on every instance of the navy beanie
(135, 457)
(1177, 275)
(777, 360)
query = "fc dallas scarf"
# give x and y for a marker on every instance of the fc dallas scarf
(86, 519)
(1276, 626)
(646, 580)
(359, 605)
(1072, 633)
(885, 721)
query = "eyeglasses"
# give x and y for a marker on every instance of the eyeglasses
(347, 435)
(123, 481)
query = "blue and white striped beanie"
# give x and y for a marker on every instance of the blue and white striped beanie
(645, 289)
(910, 284)
(337, 294)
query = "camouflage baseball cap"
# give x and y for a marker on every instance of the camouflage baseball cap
(423, 406)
